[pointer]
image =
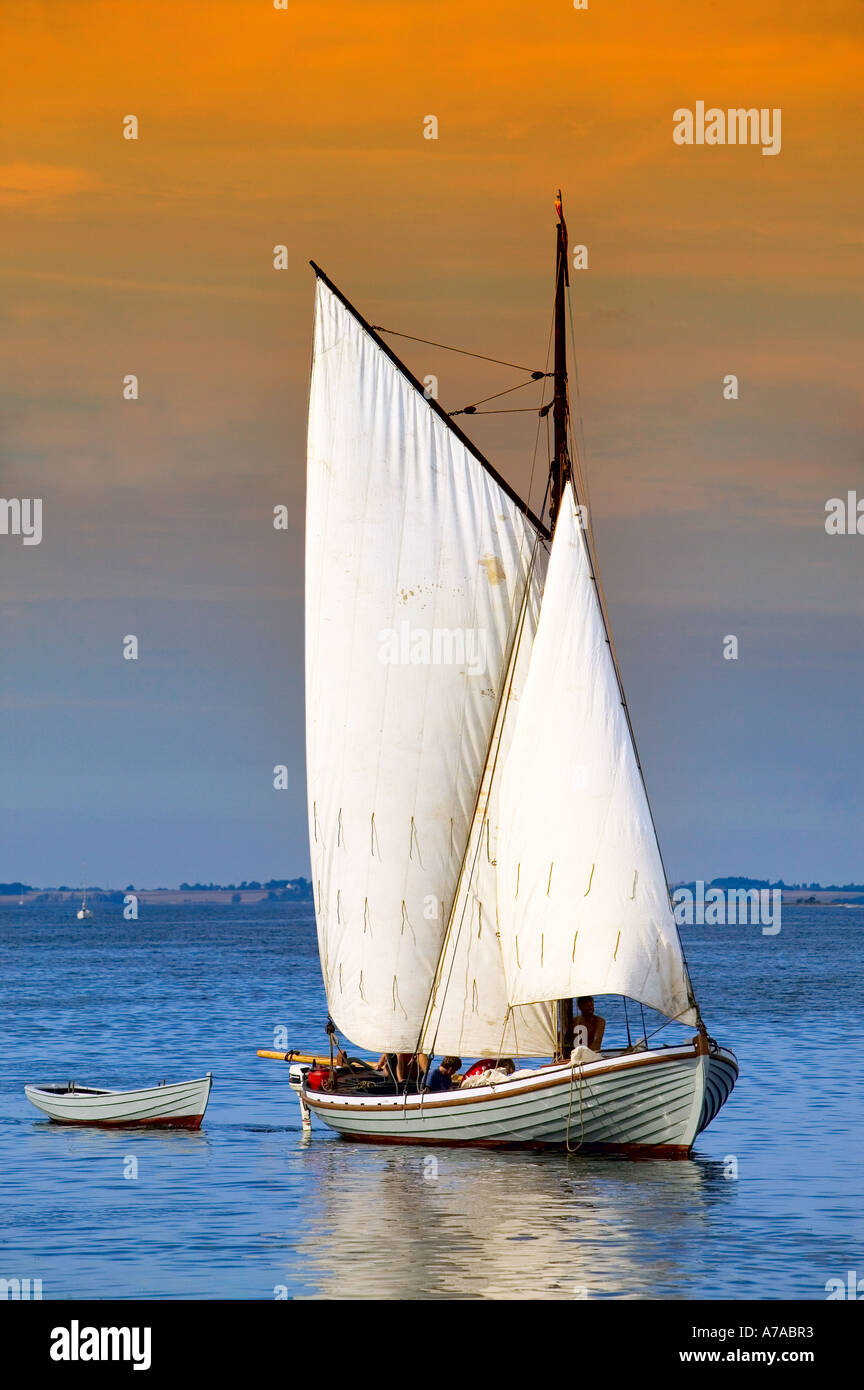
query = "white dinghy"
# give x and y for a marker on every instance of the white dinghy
(178, 1106)
(483, 851)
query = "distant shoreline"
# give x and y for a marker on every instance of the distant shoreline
(824, 897)
(168, 896)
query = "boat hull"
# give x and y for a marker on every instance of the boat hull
(650, 1103)
(178, 1106)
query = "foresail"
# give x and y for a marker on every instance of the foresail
(469, 1013)
(582, 897)
(416, 563)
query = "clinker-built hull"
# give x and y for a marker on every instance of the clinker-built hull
(651, 1102)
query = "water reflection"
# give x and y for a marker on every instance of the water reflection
(389, 1224)
(93, 1142)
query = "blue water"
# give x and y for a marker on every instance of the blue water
(246, 1208)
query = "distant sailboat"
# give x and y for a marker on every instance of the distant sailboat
(482, 846)
(84, 914)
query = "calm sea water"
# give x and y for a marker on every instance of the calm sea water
(247, 1208)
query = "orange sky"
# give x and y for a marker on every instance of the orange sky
(305, 127)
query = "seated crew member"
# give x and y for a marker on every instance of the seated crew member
(388, 1063)
(592, 1024)
(404, 1066)
(442, 1078)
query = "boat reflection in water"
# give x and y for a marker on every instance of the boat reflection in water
(461, 1223)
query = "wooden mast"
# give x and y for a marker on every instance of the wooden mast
(561, 469)
(561, 472)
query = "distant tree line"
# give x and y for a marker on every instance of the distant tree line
(293, 887)
(778, 883)
(277, 888)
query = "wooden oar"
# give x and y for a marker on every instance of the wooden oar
(294, 1057)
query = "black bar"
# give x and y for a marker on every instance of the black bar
(270, 1338)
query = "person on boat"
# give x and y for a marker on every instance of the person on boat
(592, 1024)
(485, 1064)
(491, 1074)
(388, 1063)
(442, 1077)
(404, 1066)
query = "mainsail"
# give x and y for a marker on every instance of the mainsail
(583, 904)
(417, 560)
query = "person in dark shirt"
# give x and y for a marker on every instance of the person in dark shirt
(442, 1078)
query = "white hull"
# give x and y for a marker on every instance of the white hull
(653, 1101)
(179, 1106)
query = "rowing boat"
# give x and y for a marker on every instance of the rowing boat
(178, 1106)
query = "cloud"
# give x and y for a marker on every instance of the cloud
(22, 185)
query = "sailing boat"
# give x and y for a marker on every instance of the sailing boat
(482, 845)
(84, 914)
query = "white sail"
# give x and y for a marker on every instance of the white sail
(582, 897)
(469, 1013)
(416, 562)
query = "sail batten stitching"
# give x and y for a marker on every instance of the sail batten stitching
(407, 920)
(496, 728)
(412, 840)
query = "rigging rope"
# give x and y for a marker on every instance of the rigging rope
(472, 409)
(513, 410)
(447, 348)
(570, 1148)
